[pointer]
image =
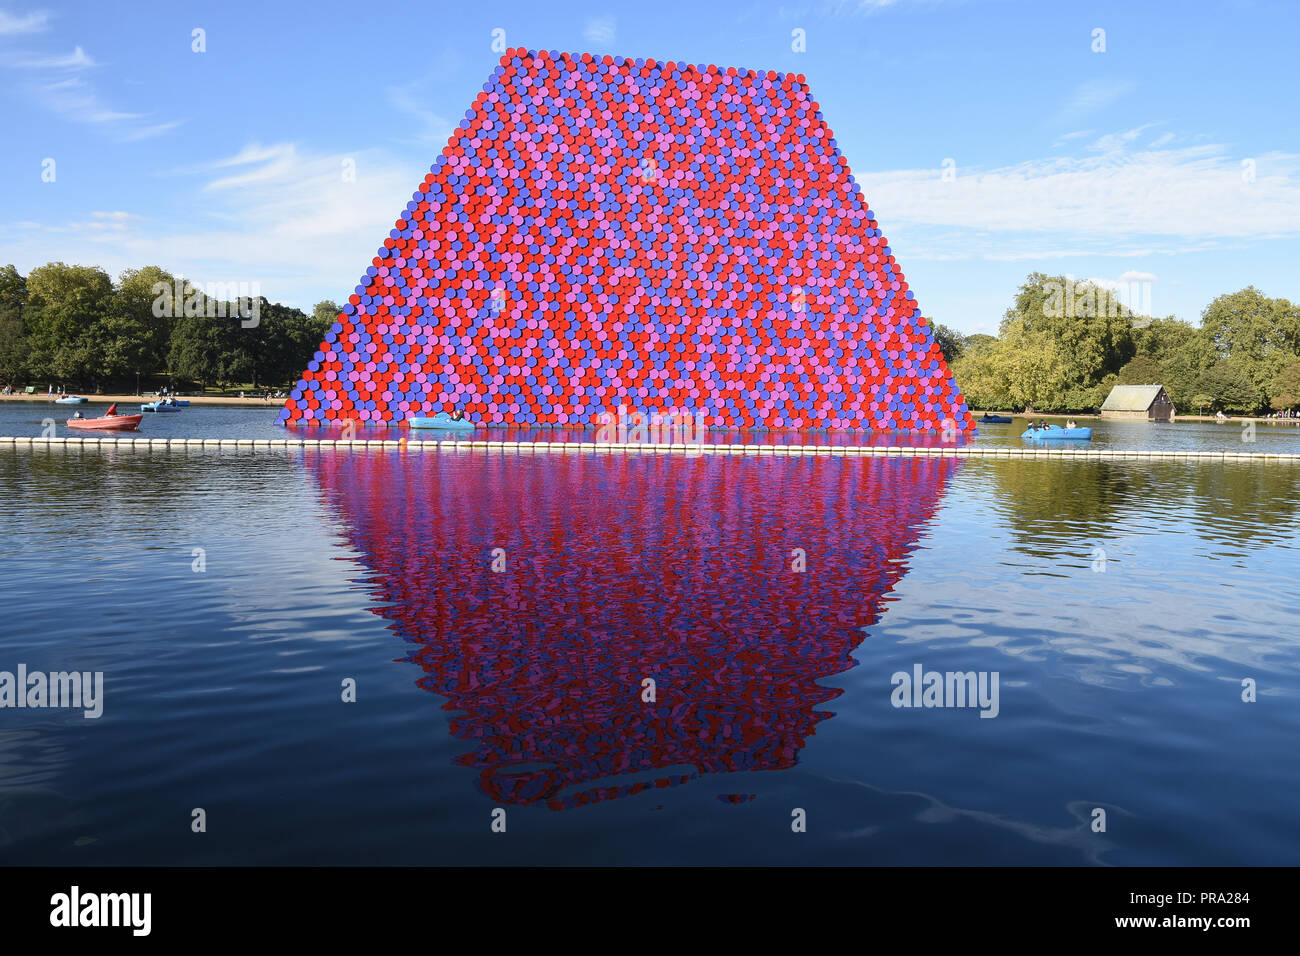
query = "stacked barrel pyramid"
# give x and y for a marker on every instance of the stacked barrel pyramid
(604, 232)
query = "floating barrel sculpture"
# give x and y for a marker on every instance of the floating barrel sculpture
(604, 232)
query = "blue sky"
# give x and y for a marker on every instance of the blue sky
(1168, 164)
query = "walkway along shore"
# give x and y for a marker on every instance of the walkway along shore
(451, 446)
(141, 399)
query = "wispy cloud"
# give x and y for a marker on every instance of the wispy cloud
(832, 9)
(860, 7)
(1094, 95)
(76, 60)
(1114, 142)
(279, 214)
(79, 101)
(600, 31)
(62, 84)
(1150, 201)
(116, 221)
(149, 132)
(413, 99)
(34, 22)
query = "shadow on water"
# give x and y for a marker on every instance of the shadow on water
(615, 570)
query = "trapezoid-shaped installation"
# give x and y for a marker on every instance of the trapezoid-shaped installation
(604, 232)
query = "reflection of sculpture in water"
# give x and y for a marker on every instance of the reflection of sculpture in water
(614, 572)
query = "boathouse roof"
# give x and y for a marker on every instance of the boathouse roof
(1131, 398)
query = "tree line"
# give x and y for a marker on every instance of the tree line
(73, 325)
(1063, 345)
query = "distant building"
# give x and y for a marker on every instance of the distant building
(1138, 403)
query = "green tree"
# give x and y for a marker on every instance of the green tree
(1261, 334)
(326, 312)
(1032, 365)
(1230, 386)
(136, 338)
(1058, 343)
(205, 345)
(1284, 390)
(951, 342)
(1142, 370)
(1184, 352)
(14, 345)
(67, 305)
(1088, 324)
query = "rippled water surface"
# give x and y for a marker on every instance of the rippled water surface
(1122, 605)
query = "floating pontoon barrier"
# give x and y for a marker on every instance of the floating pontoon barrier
(706, 448)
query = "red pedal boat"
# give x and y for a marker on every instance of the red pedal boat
(111, 423)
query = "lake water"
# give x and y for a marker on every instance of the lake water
(1121, 605)
(225, 421)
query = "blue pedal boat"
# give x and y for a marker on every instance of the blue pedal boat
(1057, 433)
(443, 421)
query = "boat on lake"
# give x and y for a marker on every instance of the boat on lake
(108, 423)
(988, 419)
(70, 400)
(441, 420)
(162, 405)
(1057, 433)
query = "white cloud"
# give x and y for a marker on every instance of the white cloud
(277, 214)
(600, 30)
(76, 60)
(1094, 95)
(34, 22)
(863, 6)
(412, 99)
(149, 132)
(832, 9)
(260, 165)
(60, 84)
(77, 100)
(1134, 276)
(1112, 142)
(1067, 137)
(1189, 196)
